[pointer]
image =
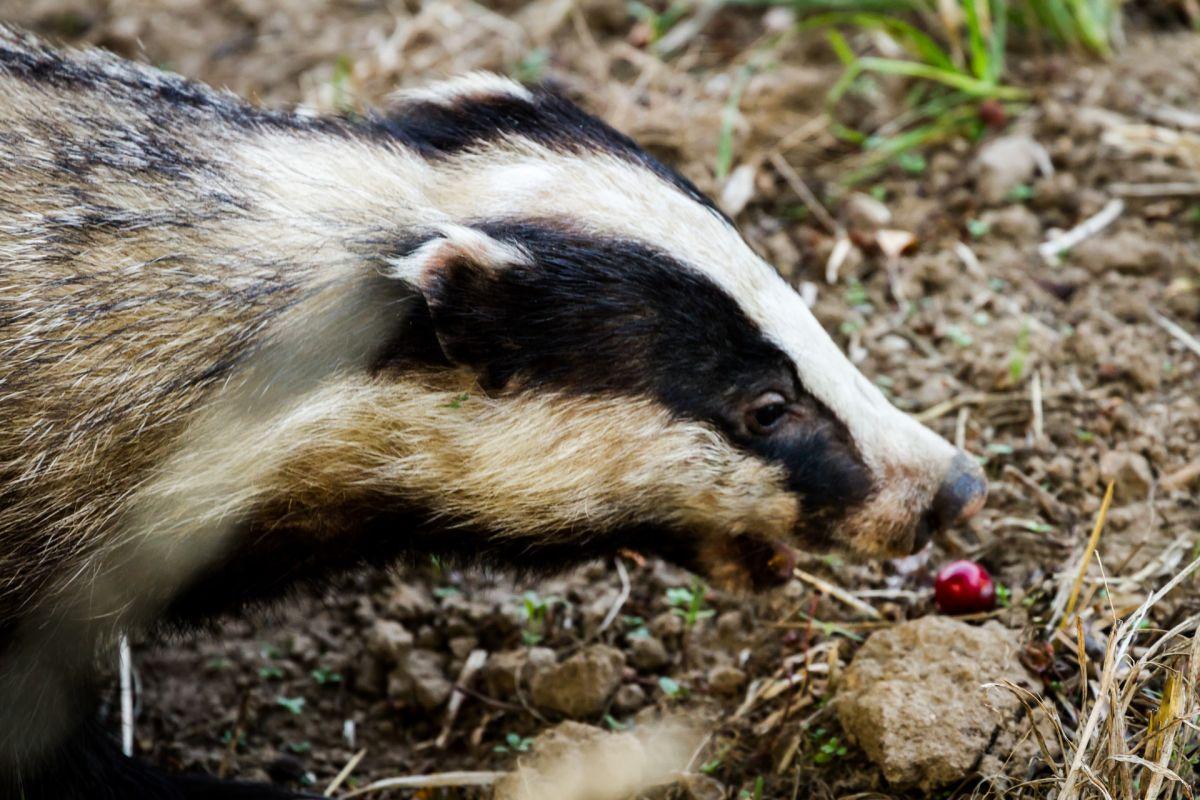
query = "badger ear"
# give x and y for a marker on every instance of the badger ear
(452, 269)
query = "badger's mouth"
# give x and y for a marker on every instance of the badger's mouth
(736, 562)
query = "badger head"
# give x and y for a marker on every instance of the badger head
(635, 375)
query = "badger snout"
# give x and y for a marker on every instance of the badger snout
(962, 492)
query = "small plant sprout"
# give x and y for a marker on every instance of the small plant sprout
(325, 676)
(270, 673)
(672, 688)
(828, 748)
(293, 704)
(688, 603)
(535, 609)
(514, 743)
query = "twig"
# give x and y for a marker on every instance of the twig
(797, 185)
(434, 781)
(1180, 478)
(1097, 529)
(866, 609)
(619, 603)
(345, 772)
(1185, 338)
(1035, 401)
(1052, 249)
(474, 661)
(125, 659)
(679, 36)
(1178, 189)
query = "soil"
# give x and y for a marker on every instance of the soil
(966, 327)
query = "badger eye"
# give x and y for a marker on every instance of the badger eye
(766, 412)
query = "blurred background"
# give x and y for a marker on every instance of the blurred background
(993, 206)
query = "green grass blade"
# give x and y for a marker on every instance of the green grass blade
(920, 44)
(976, 41)
(955, 80)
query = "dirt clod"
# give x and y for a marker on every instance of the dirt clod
(648, 653)
(913, 699)
(1130, 472)
(418, 679)
(1005, 163)
(580, 686)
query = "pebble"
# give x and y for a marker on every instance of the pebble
(629, 698)
(419, 680)
(389, 640)
(1130, 472)
(1005, 163)
(863, 211)
(648, 653)
(581, 685)
(726, 679)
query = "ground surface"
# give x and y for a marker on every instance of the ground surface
(967, 342)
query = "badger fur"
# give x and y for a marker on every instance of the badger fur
(241, 347)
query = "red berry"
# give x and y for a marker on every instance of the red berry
(964, 587)
(992, 113)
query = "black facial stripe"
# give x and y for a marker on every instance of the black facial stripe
(551, 120)
(600, 315)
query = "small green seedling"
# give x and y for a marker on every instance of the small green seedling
(293, 704)
(535, 608)
(514, 743)
(270, 673)
(672, 688)
(689, 603)
(757, 794)
(325, 676)
(829, 747)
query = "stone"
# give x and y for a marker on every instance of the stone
(304, 648)
(581, 685)
(406, 602)
(648, 653)
(666, 625)
(703, 787)
(506, 671)
(1005, 163)
(726, 679)
(389, 640)
(418, 680)
(501, 672)
(629, 698)
(913, 699)
(461, 646)
(1015, 222)
(863, 211)
(1130, 472)
(1128, 250)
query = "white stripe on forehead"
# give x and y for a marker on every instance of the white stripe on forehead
(612, 196)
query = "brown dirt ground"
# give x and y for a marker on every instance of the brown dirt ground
(960, 342)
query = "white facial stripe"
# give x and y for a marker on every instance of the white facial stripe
(612, 196)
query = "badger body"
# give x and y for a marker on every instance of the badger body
(241, 347)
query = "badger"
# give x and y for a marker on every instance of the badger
(242, 349)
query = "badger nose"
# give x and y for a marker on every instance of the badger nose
(962, 493)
